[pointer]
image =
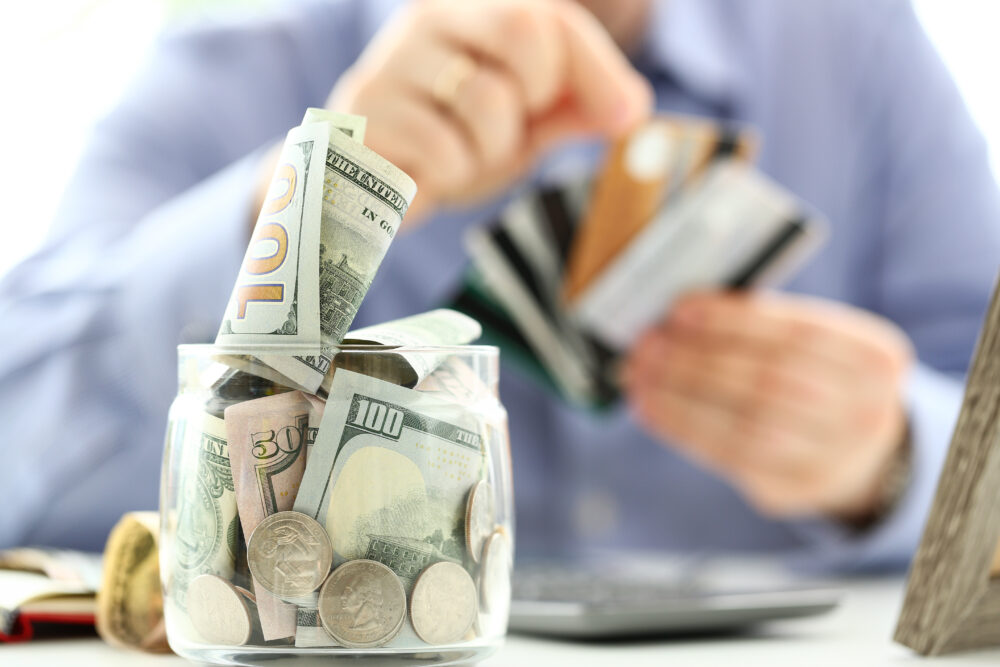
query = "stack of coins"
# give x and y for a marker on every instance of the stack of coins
(361, 603)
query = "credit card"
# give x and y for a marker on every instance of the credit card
(641, 173)
(735, 228)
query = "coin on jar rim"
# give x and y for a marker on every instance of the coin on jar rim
(443, 604)
(494, 576)
(478, 518)
(218, 611)
(362, 604)
(289, 554)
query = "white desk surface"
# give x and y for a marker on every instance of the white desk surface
(857, 634)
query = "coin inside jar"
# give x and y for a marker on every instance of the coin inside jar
(218, 611)
(289, 554)
(494, 582)
(362, 604)
(478, 518)
(443, 604)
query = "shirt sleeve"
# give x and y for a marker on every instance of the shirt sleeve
(89, 356)
(142, 257)
(939, 251)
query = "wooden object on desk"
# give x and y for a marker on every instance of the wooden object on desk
(952, 599)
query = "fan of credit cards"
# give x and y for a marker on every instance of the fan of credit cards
(567, 278)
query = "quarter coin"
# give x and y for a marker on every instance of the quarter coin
(478, 518)
(494, 582)
(218, 611)
(289, 554)
(443, 604)
(362, 604)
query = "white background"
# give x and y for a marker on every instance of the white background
(65, 61)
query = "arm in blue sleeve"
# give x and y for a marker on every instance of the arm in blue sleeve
(87, 366)
(939, 254)
(142, 257)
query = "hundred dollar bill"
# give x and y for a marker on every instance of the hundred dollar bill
(361, 199)
(205, 525)
(433, 328)
(388, 478)
(276, 299)
(350, 124)
(461, 387)
(268, 439)
(276, 295)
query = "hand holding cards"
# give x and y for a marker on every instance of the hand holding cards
(675, 207)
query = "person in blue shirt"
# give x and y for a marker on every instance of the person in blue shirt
(810, 423)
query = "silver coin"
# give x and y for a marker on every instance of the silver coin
(494, 577)
(289, 554)
(443, 604)
(362, 604)
(218, 611)
(479, 519)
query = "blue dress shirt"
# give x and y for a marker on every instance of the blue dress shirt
(857, 115)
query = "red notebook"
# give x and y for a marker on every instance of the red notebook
(52, 591)
(26, 624)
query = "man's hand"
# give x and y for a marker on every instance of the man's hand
(797, 401)
(464, 96)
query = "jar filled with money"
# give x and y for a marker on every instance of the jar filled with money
(370, 519)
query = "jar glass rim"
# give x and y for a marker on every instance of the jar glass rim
(205, 349)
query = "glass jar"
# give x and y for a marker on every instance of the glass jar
(372, 521)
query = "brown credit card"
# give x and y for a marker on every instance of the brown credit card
(641, 173)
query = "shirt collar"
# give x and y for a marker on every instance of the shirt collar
(689, 41)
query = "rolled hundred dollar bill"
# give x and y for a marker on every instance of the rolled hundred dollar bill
(333, 208)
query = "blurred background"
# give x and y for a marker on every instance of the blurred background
(66, 62)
